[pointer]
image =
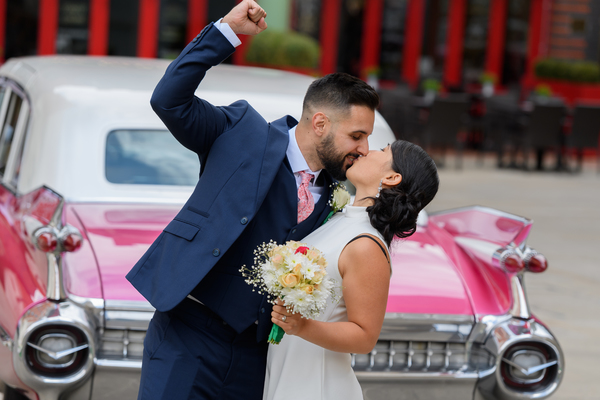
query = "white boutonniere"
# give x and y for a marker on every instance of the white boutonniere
(340, 198)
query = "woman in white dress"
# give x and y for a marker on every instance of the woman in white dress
(313, 359)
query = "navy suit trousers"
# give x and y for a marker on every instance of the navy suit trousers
(191, 353)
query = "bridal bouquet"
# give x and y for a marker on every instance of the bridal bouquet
(294, 272)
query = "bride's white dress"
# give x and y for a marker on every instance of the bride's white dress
(297, 369)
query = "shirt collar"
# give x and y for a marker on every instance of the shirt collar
(295, 157)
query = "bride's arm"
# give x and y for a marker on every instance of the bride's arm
(365, 279)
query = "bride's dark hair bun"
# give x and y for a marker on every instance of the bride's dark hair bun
(397, 208)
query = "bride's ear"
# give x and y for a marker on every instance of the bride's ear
(392, 179)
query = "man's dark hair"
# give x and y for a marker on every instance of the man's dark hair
(340, 91)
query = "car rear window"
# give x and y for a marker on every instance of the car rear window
(149, 157)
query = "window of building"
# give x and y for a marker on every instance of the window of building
(172, 29)
(73, 27)
(475, 41)
(350, 37)
(392, 39)
(149, 157)
(515, 54)
(433, 54)
(306, 17)
(122, 40)
(21, 28)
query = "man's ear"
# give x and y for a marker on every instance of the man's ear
(392, 179)
(319, 120)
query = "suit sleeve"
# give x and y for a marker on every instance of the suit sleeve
(194, 122)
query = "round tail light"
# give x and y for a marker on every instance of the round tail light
(535, 262)
(46, 240)
(71, 242)
(512, 262)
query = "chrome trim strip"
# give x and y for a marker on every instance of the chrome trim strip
(87, 302)
(128, 305)
(520, 306)
(5, 338)
(133, 320)
(56, 288)
(427, 327)
(405, 376)
(430, 318)
(118, 364)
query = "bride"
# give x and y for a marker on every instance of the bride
(313, 359)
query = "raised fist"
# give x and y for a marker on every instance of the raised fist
(247, 18)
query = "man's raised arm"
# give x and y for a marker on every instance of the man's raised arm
(195, 123)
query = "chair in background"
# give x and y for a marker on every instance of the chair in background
(585, 132)
(445, 120)
(543, 131)
(397, 109)
(503, 126)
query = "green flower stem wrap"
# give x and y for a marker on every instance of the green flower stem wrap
(276, 334)
(328, 217)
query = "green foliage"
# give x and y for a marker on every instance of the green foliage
(488, 77)
(284, 49)
(573, 71)
(542, 90)
(431, 85)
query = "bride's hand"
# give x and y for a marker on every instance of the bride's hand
(293, 322)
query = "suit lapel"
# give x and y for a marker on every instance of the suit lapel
(277, 143)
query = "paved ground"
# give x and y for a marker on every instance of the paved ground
(566, 213)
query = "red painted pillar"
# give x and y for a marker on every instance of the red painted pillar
(371, 38)
(413, 41)
(197, 17)
(148, 28)
(2, 30)
(48, 25)
(536, 18)
(496, 36)
(457, 14)
(99, 16)
(330, 31)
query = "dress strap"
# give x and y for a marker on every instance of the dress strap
(376, 241)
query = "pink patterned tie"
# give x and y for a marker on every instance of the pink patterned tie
(306, 202)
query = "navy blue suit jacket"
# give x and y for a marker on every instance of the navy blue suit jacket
(240, 154)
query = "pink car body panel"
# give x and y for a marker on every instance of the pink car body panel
(119, 235)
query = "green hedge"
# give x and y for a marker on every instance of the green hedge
(284, 49)
(574, 71)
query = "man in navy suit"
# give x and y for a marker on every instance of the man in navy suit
(208, 336)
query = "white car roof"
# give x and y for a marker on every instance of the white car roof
(77, 100)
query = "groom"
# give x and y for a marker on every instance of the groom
(259, 181)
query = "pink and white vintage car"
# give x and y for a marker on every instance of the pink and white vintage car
(90, 177)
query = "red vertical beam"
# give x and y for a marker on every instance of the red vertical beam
(535, 38)
(371, 39)
(197, 17)
(496, 36)
(330, 31)
(2, 30)
(98, 38)
(457, 14)
(148, 28)
(48, 26)
(413, 41)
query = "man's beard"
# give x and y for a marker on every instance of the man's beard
(332, 160)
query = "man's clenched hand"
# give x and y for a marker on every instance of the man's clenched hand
(247, 18)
